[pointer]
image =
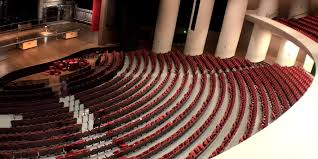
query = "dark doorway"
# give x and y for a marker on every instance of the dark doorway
(19, 11)
(218, 15)
(13, 12)
(51, 14)
(2, 8)
(85, 4)
(313, 71)
(136, 21)
(183, 22)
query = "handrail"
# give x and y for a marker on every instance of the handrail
(14, 26)
(294, 134)
(39, 37)
(21, 22)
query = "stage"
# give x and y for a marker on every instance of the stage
(12, 59)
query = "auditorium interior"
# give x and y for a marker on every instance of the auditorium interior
(158, 79)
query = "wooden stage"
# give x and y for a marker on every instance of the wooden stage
(15, 59)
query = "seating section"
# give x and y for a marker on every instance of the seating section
(27, 84)
(91, 78)
(24, 90)
(307, 25)
(154, 106)
(85, 71)
(76, 64)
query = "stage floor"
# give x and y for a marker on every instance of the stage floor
(15, 59)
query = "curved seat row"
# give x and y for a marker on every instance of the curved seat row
(306, 25)
(153, 106)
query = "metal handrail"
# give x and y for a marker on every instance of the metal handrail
(14, 26)
(40, 37)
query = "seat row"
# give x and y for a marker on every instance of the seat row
(231, 90)
(307, 25)
(96, 104)
(27, 84)
(168, 126)
(108, 86)
(107, 101)
(125, 106)
(98, 77)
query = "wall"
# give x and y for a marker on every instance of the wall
(299, 8)
(46, 3)
(211, 42)
(274, 47)
(252, 4)
(1, 8)
(244, 39)
(314, 6)
(18, 10)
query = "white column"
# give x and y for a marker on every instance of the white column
(59, 13)
(40, 9)
(260, 38)
(165, 27)
(259, 44)
(268, 8)
(308, 64)
(287, 54)
(196, 38)
(231, 28)
(299, 8)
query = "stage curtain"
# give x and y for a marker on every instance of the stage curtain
(96, 14)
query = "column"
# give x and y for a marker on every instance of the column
(199, 27)
(59, 13)
(40, 10)
(165, 26)
(287, 54)
(308, 64)
(231, 28)
(44, 15)
(103, 30)
(268, 8)
(260, 38)
(298, 8)
(259, 44)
